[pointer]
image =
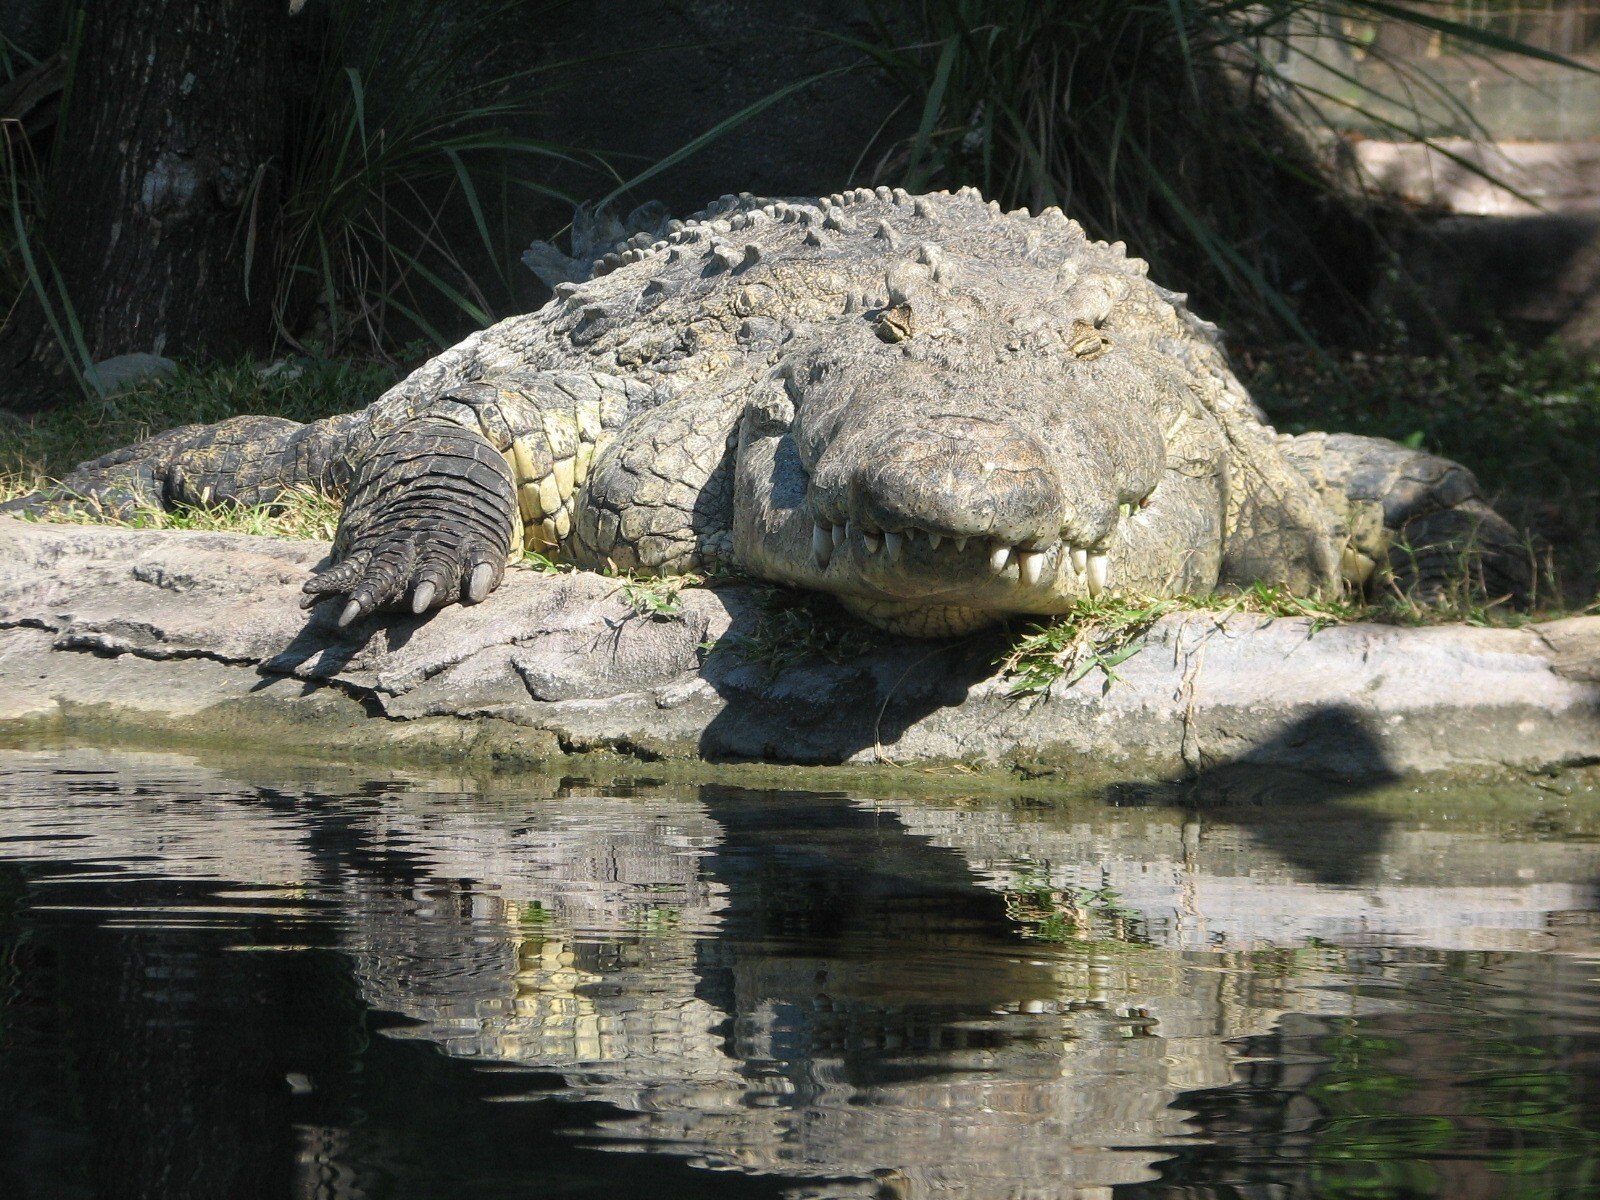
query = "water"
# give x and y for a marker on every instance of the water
(318, 983)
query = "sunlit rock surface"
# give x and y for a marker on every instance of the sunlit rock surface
(194, 635)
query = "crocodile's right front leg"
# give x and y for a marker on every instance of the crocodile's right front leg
(453, 485)
(431, 512)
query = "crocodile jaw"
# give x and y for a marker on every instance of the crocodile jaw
(922, 582)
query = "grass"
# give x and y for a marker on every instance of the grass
(302, 514)
(657, 598)
(1184, 127)
(1069, 915)
(35, 451)
(1098, 635)
(795, 628)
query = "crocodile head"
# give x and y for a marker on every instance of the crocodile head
(937, 465)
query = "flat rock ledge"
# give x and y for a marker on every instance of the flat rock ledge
(186, 636)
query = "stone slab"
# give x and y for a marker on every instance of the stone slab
(200, 635)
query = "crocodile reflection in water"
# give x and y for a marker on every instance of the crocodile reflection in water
(835, 988)
(772, 1006)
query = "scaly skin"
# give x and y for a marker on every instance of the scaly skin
(939, 412)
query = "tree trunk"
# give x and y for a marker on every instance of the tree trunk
(175, 110)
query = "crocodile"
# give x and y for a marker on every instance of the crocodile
(938, 411)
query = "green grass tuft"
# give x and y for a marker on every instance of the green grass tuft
(50, 444)
(657, 597)
(798, 627)
(1099, 635)
(1072, 915)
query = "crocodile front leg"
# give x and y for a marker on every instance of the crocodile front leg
(660, 499)
(1416, 522)
(431, 513)
(456, 483)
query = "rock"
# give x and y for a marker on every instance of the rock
(1575, 646)
(124, 372)
(179, 635)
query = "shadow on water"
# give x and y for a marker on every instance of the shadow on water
(1304, 817)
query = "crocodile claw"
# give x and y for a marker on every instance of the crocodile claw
(430, 517)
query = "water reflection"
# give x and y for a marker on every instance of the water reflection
(855, 996)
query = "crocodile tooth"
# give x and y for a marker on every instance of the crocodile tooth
(1080, 559)
(849, 530)
(893, 541)
(821, 544)
(872, 541)
(839, 534)
(422, 596)
(961, 544)
(998, 558)
(934, 539)
(1030, 566)
(1099, 573)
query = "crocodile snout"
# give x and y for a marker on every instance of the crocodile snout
(950, 490)
(958, 477)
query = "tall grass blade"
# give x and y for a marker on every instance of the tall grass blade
(470, 192)
(727, 125)
(1472, 34)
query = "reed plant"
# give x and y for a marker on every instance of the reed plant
(405, 154)
(1198, 131)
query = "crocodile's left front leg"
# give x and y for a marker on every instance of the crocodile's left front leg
(1415, 521)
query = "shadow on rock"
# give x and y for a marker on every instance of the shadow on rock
(1305, 819)
(332, 648)
(789, 701)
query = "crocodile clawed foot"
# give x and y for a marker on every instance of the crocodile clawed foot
(431, 571)
(429, 521)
